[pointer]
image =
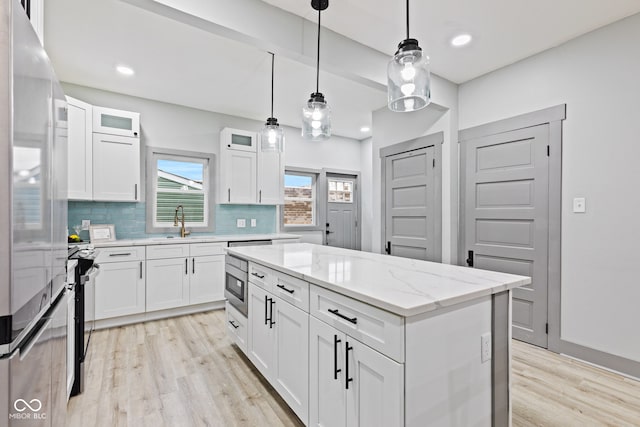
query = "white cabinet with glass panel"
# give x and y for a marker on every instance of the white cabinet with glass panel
(116, 122)
(247, 175)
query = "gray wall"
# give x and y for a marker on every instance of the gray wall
(597, 76)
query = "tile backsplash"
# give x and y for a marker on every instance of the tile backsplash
(129, 218)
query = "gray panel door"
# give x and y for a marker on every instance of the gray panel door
(409, 204)
(342, 212)
(507, 218)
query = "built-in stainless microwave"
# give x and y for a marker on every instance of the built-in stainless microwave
(236, 285)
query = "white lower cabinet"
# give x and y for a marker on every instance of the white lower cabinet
(167, 283)
(278, 347)
(236, 327)
(206, 283)
(350, 384)
(120, 289)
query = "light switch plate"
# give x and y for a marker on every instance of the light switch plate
(241, 223)
(253, 222)
(85, 224)
(579, 205)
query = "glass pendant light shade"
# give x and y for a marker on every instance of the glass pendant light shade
(272, 136)
(409, 80)
(316, 119)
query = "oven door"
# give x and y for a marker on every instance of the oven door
(89, 306)
(235, 288)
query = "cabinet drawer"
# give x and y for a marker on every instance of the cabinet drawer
(167, 251)
(203, 249)
(377, 328)
(236, 327)
(120, 253)
(292, 290)
(264, 277)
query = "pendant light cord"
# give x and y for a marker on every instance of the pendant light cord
(407, 18)
(272, 72)
(318, 61)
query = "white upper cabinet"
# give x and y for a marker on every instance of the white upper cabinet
(116, 168)
(247, 175)
(116, 122)
(80, 152)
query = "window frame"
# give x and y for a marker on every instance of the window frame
(317, 189)
(209, 163)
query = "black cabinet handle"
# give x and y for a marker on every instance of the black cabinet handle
(228, 195)
(353, 320)
(346, 364)
(266, 316)
(186, 266)
(470, 258)
(335, 357)
(271, 304)
(388, 248)
(260, 197)
(285, 289)
(135, 191)
(257, 275)
(193, 265)
(233, 324)
(141, 269)
(121, 254)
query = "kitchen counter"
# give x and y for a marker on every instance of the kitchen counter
(196, 239)
(399, 285)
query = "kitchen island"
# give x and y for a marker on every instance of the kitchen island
(380, 340)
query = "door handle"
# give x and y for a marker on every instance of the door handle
(141, 269)
(346, 365)
(353, 320)
(228, 195)
(284, 288)
(135, 191)
(271, 304)
(335, 357)
(193, 266)
(470, 258)
(260, 197)
(388, 248)
(186, 266)
(266, 315)
(232, 323)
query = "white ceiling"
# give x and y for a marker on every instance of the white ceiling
(181, 64)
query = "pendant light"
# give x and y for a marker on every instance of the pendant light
(272, 136)
(409, 82)
(316, 115)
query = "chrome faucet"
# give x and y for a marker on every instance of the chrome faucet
(183, 232)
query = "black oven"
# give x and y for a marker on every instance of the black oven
(236, 284)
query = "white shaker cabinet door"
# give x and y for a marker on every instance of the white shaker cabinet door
(120, 289)
(291, 368)
(270, 178)
(207, 279)
(116, 168)
(261, 340)
(167, 283)
(375, 396)
(238, 184)
(327, 399)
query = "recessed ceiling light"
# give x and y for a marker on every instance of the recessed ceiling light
(124, 70)
(461, 40)
(365, 129)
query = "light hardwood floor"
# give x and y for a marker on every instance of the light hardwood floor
(185, 372)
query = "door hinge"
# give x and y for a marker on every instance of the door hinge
(546, 328)
(548, 151)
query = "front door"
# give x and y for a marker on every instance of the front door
(506, 210)
(342, 211)
(410, 203)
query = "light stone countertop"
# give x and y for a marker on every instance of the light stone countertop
(195, 239)
(400, 285)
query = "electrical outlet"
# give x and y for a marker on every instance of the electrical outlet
(485, 347)
(253, 222)
(85, 224)
(241, 223)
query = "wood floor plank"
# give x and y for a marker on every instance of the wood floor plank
(185, 372)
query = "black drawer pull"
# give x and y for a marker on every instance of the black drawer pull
(348, 348)
(285, 289)
(353, 320)
(233, 324)
(257, 275)
(122, 254)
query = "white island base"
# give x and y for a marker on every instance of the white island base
(357, 339)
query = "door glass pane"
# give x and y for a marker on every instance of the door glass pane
(180, 183)
(241, 140)
(340, 191)
(116, 122)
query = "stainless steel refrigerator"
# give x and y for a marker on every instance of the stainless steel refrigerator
(33, 218)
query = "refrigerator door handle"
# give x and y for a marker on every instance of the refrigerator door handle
(24, 353)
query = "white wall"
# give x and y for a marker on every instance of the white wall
(366, 192)
(390, 128)
(598, 77)
(178, 127)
